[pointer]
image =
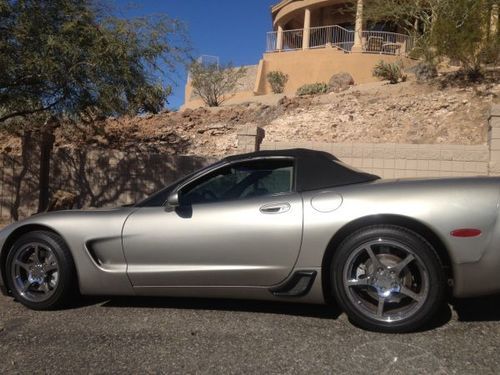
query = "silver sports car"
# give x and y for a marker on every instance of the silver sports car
(291, 225)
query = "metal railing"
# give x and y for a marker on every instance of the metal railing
(382, 42)
(331, 36)
(290, 40)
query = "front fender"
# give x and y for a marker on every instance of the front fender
(101, 229)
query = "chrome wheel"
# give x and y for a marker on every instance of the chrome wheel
(35, 272)
(385, 280)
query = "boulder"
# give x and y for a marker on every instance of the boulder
(340, 82)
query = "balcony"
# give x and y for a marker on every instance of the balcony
(335, 36)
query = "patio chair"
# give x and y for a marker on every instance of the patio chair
(374, 44)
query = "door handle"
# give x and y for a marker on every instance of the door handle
(275, 208)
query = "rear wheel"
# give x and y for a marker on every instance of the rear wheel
(388, 279)
(41, 272)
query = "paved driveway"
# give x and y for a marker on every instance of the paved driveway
(202, 336)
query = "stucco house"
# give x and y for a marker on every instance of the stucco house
(314, 39)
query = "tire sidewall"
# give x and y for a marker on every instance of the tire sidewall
(427, 256)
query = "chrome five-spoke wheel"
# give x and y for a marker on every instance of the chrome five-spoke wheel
(35, 271)
(41, 273)
(388, 278)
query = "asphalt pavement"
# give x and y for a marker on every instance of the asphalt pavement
(180, 336)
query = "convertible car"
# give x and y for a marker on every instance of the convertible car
(291, 225)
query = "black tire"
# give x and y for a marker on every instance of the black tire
(65, 289)
(361, 296)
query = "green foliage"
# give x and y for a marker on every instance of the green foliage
(313, 89)
(458, 30)
(67, 59)
(214, 83)
(392, 72)
(277, 80)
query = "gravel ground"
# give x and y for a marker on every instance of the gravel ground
(205, 336)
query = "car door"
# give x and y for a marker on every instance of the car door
(238, 225)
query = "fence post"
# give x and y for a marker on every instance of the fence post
(494, 140)
(249, 138)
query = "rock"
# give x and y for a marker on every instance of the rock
(340, 82)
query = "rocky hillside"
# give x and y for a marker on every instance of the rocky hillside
(408, 112)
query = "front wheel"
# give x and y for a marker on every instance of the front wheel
(388, 279)
(40, 271)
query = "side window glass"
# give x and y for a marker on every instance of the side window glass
(240, 181)
(276, 181)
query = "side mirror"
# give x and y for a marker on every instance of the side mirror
(173, 199)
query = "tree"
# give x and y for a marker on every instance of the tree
(70, 61)
(453, 29)
(460, 32)
(214, 83)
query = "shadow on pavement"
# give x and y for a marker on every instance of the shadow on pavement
(468, 310)
(478, 309)
(266, 307)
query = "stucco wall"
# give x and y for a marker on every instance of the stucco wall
(318, 65)
(303, 67)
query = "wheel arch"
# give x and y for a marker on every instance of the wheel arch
(382, 219)
(13, 237)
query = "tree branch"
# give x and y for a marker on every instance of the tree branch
(29, 111)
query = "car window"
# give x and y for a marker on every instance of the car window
(159, 198)
(240, 181)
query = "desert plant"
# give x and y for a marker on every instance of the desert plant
(313, 89)
(392, 72)
(213, 83)
(425, 71)
(277, 80)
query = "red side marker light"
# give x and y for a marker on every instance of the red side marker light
(466, 232)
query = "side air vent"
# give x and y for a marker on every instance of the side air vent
(298, 285)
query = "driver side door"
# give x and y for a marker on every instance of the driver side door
(240, 225)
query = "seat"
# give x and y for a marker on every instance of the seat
(374, 44)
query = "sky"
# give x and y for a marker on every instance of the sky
(233, 30)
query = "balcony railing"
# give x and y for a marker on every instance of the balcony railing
(338, 37)
(291, 40)
(334, 36)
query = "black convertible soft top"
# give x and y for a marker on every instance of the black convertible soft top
(315, 169)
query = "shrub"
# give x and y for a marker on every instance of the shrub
(425, 71)
(391, 72)
(313, 89)
(277, 80)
